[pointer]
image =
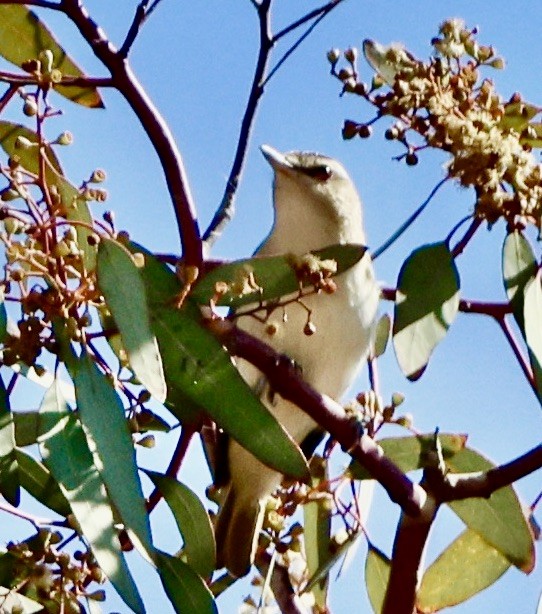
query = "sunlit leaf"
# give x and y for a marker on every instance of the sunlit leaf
(517, 115)
(64, 447)
(265, 278)
(14, 602)
(23, 36)
(39, 482)
(124, 291)
(467, 566)
(532, 313)
(185, 589)
(518, 268)
(532, 135)
(9, 469)
(317, 536)
(426, 305)
(193, 522)
(102, 414)
(410, 453)
(377, 574)
(499, 520)
(199, 373)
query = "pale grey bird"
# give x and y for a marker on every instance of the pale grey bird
(315, 205)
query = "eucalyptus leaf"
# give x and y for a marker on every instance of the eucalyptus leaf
(9, 469)
(532, 313)
(377, 574)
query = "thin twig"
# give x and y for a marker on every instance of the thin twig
(139, 19)
(7, 96)
(325, 9)
(463, 242)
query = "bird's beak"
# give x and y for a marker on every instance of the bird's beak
(277, 159)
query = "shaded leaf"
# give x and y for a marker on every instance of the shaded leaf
(266, 278)
(518, 268)
(67, 456)
(9, 469)
(382, 335)
(467, 566)
(426, 305)
(23, 36)
(102, 414)
(124, 291)
(193, 522)
(409, 453)
(377, 574)
(200, 374)
(39, 482)
(532, 313)
(185, 589)
(499, 520)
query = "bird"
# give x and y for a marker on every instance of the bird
(316, 204)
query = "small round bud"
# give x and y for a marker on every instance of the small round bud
(139, 260)
(391, 133)
(109, 217)
(407, 421)
(350, 129)
(309, 328)
(411, 159)
(144, 397)
(55, 76)
(98, 176)
(123, 236)
(66, 138)
(271, 329)
(30, 108)
(46, 57)
(98, 595)
(361, 89)
(345, 74)
(149, 441)
(365, 131)
(397, 399)
(93, 239)
(333, 56)
(351, 55)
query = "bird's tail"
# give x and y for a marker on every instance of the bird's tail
(237, 531)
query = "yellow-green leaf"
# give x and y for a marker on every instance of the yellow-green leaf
(377, 574)
(23, 36)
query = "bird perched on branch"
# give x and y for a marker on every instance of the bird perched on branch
(315, 205)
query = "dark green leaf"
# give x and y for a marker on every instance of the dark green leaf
(9, 469)
(102, 414)
(67, 456)
(124, 291)
(377, 574)
(426, 305)
(518, 268)
(410, 453)
(193, 522)
(467, 566)
(199, 373)
(266, 278)
(39, 482)
(499, 520)
(185, 589)
(532, 313)
(23, 36)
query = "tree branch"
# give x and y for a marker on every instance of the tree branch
(153, 123)
(142, 13)
(330, 415)
(24, 79)
(323, 10)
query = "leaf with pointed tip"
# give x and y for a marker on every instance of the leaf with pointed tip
(193, 522)
(409, 453)
(187, 592)
(38, 481)
(426, 305)
(518, 268)
(12, 601)
(499, 520)
(388, 61)
(64, 447)
(467, 566)
(199, 373)
(9, 468)
(267, 278)
(377, 574)
(101, 412)
(517, 116)
(23, 36)
(124, 291)
(382, 335)
(532, 135)
(532, 314)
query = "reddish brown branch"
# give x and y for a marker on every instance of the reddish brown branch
(7, 96)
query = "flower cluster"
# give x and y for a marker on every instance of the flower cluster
(447, 103)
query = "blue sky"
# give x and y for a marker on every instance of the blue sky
(196, 60)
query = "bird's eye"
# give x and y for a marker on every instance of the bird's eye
(322, 172)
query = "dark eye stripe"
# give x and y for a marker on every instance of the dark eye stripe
(321, 172)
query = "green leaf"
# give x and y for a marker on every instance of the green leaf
(499, 520)
(377, 574)
(64, 447)
(467, 566)
(267, 278)
(199, 373)
(193, 522)
(102, 414)
(185, 589)
(517, 116)
(426, 305)
(317, 536)
(518, 268)
(38, 481)
(532, 135)
(3, 318)
(532, 313)
(23, 36)
(124, 292)
(409, 453)
(9, 469)
(382, 335)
